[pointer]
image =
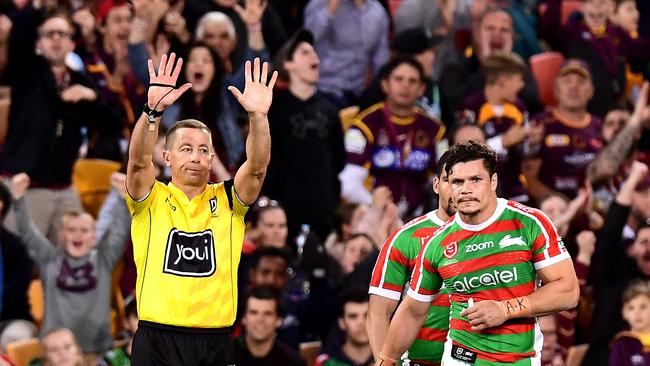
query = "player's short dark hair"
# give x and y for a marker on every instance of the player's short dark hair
(265, 292)
(263, 252)
(353, 293)
(441, 163)
(501, 64)
(6, 199)
(469, 151)
(397, 61)
(186, 123)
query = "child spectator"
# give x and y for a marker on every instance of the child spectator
(77, 277)
(61, 348)
(629, 347)
(504, 119)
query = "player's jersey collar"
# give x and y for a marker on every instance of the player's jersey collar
(501, 206)
(433, 216)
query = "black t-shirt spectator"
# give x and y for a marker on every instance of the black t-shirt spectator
(280, 354)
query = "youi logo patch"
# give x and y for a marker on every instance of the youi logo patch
(190, 254)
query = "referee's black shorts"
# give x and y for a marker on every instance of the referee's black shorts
(161, 345)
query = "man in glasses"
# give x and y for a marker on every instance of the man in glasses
(50, 105)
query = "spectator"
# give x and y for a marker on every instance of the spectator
(423, 47)
(466, 132)
(355, 350)
(351, 38)
(16, 330)
(307, 152)
(308, 302)
(493, 32)
(394, 142)
(551, 349)
(109, 68)
(571, 136)
(50, 105)
(602, 45)
(628, 346)
(76, 278)
(504, 119)
(442, 18)
(269, 24)
(626, 140)
(207, 101)
(16, 267)
(347, 216)
(121, 355)
(259, 345)
(626, 16)
(357, 248)
(267, 224)
(218, 31)
(61, 348)
(631, 263)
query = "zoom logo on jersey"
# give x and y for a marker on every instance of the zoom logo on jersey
(493, 278)
(479, 246)
(190, 254)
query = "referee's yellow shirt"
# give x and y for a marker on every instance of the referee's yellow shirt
(187, 254)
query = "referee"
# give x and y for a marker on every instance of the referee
(188, 234)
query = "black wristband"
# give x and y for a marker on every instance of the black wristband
(152, 114)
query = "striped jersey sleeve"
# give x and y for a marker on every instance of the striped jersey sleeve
(425, 279)
(547, 245)
(396, 258)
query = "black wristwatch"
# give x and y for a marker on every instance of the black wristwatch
(152, 114)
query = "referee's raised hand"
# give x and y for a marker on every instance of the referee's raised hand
(257, 95)
(162, 87)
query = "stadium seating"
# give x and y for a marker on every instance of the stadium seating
(23, 351)
(91, 178)
(544, 67)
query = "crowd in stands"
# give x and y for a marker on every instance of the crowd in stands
(371, 94)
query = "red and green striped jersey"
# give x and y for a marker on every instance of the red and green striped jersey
(495, 260)
(393, 271)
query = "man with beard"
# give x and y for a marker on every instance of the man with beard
(488, 258)
(393, 271)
